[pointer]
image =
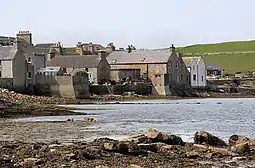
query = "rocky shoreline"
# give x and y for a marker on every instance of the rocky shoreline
(154, 149)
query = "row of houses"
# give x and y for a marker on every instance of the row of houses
(22, 61)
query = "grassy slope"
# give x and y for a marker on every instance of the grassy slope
(231, 62)
(220, 47)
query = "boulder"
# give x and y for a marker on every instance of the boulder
(222, 151)
(116, 147)
(202, 137)
(252, 144)
(200, 147)
(169, 139)
(241, 148)
(137, 139)
(192, 155)
(148, 147)
(237, 139)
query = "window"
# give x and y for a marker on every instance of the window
(157, 76)
(187, 77)
(202, 78)
(29, 75)
(177, 66)
(0, 63)
(29, 59)
(194, 77)
(0, 74)
(181, 77)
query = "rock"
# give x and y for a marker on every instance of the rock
(70, 120)
(33, 161)
(208, 155)
(148, 147)
(71, 156)
(252, 144)
(239, 158)
(137, 139)
(169, 139)
(237, 139)
(222, 151)
(134, 166)
(201, 147)
(202, 137)
(192, 155)
(116, 147)
(163, 148)
(55, 146)
(88, 119)
(241, 148)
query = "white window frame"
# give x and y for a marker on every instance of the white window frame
(28, 75)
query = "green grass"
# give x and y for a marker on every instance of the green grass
(234, 46)
(233, 63)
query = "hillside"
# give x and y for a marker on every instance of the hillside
(237, 56)
(235, 46)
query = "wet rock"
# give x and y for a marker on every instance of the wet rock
(237, 139)
(148, 147)
(137, 139)
(88, 119)
(116, 147)
(202, 137)
(33, 161)
(222, 151)
(241, 148)
(200, 147)
(169, 139)
(192, 155)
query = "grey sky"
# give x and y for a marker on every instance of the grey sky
(144, 23)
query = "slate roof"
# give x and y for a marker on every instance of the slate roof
(7, 53)
(44, 45)
(74, 61)
(189, 61)
(138, 57)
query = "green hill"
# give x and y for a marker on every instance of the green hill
(237, 56)
(235, 46)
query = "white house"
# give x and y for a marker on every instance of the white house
(197, 68)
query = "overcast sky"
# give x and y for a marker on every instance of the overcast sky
(144, 23)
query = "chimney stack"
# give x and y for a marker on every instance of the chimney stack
(91, 48)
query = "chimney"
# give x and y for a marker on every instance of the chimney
(110, 48)
(129, 49)
(18, 45)
(172, 48)
(102, 54)
(91, 48)
(79, 49)
(25, 35)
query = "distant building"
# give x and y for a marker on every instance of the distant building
(96, 65)
(214, 70)
(14, 68)
(197, 68)
(164, 70)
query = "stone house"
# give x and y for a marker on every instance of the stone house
(96, 65)
(197, 68)
(14, 67)
(164, 70)
(214, 70)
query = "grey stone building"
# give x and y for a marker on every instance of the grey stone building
(165, 70)
(14, 67)
(96, 65)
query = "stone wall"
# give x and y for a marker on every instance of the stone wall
(139, 88)
(245, 81)
(6, 83)
(62, 86)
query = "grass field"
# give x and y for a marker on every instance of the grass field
(232, 63)
(235, 46)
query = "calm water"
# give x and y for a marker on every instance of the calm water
(222, 117)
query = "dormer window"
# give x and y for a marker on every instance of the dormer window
(114, 61)
(143, 59)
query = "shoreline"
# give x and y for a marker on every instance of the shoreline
(140, 151)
